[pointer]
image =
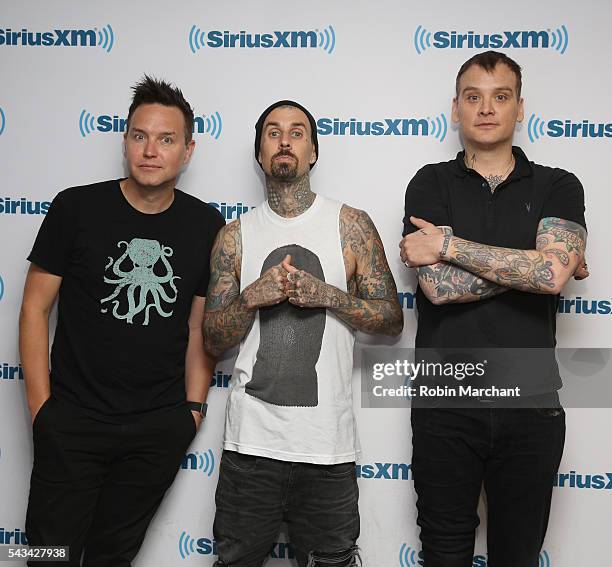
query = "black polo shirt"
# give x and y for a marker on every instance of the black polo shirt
(450, 193)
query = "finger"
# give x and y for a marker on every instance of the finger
(286, 264)
(420, 223)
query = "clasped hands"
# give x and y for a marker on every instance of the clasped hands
(285, 282)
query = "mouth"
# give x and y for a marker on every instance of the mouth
(285, 157)
(149, 167)
(487, 125)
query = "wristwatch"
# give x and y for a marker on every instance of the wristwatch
(200, 407)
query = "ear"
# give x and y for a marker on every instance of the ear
(313, 155)
(455, 110)
(521, 110)
(189, 151)
(259, 156)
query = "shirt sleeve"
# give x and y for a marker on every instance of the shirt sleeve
(424, 200)
(51, 250)
(217, 222)
(566, 199)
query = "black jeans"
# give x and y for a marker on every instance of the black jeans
(514, 452)
(318, 502)
(95, 486)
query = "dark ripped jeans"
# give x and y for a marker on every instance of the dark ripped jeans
(513, 452)
(318, 502)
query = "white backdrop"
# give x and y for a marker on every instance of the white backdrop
(60, 107)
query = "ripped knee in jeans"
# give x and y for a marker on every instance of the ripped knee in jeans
(347, 558)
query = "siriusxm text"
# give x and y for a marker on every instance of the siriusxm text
(23, 206)
(10, 371)
(505, 40)
(52, 38)
(386, 127)
(275, 39)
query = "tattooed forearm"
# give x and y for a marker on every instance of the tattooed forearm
(570, 234)
(227, 318)
(371, 305)
(526, 270)
(444, 283)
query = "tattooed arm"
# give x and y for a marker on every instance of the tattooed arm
(229, 313)
(560, 246)
(371, 304)
(444, 283)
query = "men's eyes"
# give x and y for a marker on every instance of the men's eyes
(297, 133)
(138, 136)
(167, 140)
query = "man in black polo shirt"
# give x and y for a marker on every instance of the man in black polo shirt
(494, 238)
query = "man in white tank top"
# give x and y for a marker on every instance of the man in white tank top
(291, 281)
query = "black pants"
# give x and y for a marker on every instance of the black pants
(514, 452)
(95, 486)
(318, 502)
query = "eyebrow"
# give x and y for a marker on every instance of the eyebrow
(469, 88)
(293, 124)
(171, 133)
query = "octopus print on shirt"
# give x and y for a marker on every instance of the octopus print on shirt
(136, 283)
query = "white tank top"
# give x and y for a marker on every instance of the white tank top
(291, 397)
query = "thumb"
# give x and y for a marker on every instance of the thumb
(286, 264)
(420, 223)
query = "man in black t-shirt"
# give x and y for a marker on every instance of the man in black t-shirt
(494, 238)
(126, 389)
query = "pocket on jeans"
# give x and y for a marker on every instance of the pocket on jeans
(341, 470)
(239, 461)
(40, 412)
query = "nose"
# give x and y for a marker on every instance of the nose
(285, 140)
(150, 148)
(486, 107)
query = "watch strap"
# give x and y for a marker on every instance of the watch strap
(200, 407)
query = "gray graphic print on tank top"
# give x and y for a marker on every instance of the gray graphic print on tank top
(290, 341)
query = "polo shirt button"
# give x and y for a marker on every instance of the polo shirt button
(484, 184)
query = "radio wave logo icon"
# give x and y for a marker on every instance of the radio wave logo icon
(535, 128)
(2, 121)
(327, 39)
(186, 545)
(1, 288)
(422, 39)
(205, 461)
(196, 39)
(106, 38)
(408, 556)
(87, 123)
(544, 560)
(209, 124)
(559, 39)
(438, 127)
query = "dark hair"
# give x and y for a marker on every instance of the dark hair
(156, 91)
(488, 60)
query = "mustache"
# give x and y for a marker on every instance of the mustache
(284, 153)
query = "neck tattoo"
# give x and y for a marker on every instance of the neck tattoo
(289, 199)
(492, 179)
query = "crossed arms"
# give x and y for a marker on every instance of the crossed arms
(454, 270)
(370, 305)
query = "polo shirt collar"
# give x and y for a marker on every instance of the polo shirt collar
(523, 165)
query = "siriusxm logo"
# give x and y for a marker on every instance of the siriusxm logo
(8, 371)
(406, 299)
(199, 461)
(557, 39)
(220, 380)
(23, 206)
(312, 39)
(436, 127)
(538, 128)
(15, 537)
(231, 212)
(411, 557)
(188, 545)
(2, 121)
(93, 37)
(210, 124)
(573, 479)
(385, 471)
(584, 306)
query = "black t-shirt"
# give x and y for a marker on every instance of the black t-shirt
(451, 194)
(128, 283)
